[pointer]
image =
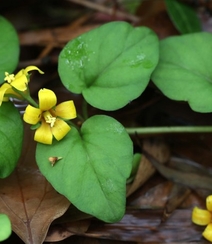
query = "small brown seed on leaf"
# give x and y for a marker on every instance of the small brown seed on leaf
(53, 160)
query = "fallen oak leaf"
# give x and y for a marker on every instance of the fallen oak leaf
(72, 222)
(28, 199)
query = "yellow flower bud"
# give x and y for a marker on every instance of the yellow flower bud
(201, 216)
(209, 203)
(207, 233)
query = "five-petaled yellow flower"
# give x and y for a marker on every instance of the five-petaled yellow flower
(18, 81)
(50, 116)
(204, 217)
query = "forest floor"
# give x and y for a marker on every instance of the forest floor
(158, 210)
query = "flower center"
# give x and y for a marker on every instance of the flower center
(9, 78)
(49, 118)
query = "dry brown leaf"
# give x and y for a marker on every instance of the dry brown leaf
(60, 232)
(156, 197)
(192, 180)
(160, 151)
(28, 199)
(177, 196)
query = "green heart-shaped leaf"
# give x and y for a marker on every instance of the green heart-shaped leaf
(11, 136)
(184, 70)
(94, 167)
(5, 230)
(9, 48)
(110, 65)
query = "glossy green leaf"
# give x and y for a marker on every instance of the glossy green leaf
(184, 71)
(6, 229)
(9, 48)
(135, 164)
(183, 17)
(11, 135)
(95, 165)
(110, 65)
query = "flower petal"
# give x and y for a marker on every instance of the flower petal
(207, 233)
(19, 74)
(66, 110)
(3, 90)
(43, 134)
(201, 216)
(20, 83)
(12, 93)
(209, 203)
(32, 115)
(31, 67)
(47, 99)
(60, 129)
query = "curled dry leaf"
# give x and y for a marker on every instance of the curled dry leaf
(153, 198)
(177, 195)
(187, 165)
(190, 166)
(194, 179)
(60, 232)
(28, 199)
(157, 148)
(73, 222)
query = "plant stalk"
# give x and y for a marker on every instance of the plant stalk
(169, 129)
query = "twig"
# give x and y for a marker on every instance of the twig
(105, 9)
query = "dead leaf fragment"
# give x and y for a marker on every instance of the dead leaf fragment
(157, 148)
(189, 179)
(60, 232)
(28, 199)
(177, 195)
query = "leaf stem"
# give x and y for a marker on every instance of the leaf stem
(85, 109)
(72, 124)
(80, 117)
(26, 96)
(169, 129)
(31, 101)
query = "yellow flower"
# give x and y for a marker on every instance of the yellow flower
(18, 81)
(21, 79)
(6, 91)
(50, 116)
(204, 217)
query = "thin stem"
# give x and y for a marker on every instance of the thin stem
(170, 129)
(72, 124)
(84, 109)
(80, 117)
(26, 96)
(31, 101)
